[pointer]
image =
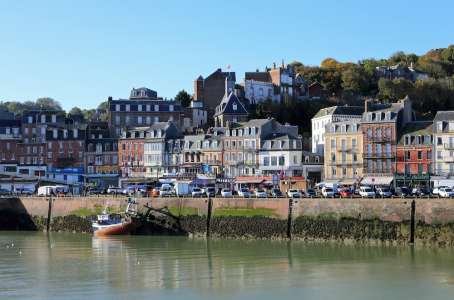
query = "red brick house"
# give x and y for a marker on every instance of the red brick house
(130, 153)
(414, 154)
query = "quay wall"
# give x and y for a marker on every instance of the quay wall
(361, 220)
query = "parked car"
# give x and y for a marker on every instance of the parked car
(384, 192)
(446, 192)
(95, 191)
(196, 192)
(209, 191)
(4, 192)
(115, 190)
(366, 192)
(25, 191)
(294, 194)
(276, 193)
(345, 193)
(310, 193)
(402, 191)
(226, 193)
(436, 190)
(260, 193)
(327, 192)
(243, 192)
(420, 191)
(166, 190)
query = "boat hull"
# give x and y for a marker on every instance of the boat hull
(114, 229)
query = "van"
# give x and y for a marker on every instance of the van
(46, 190)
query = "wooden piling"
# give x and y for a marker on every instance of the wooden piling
(412, 222)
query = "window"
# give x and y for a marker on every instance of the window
(274, 161)
(344, 171)
(139, 107)
(369, 132)
(419, 155)
(139, 120)
(156, 107)
(438, 154)
(281, 160)
(439, 141)
(266, 161)
(43, 118)
(128, 107)
(407, 155)
(170, 107)
(54, 118)
(333, 143)
(234, 106)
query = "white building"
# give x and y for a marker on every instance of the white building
(444, 144)
(327, 115)
(281, 154)
(259, 91)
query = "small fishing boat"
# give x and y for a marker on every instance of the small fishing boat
(107, 224)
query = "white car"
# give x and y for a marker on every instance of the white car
(328, 192)
(437, 189)
(384, 192)
(445, 192)
(116, 190)
(226, 193)
(260, 193)
(366, 192)
(293, 194)
(244, 193)
(196, 192)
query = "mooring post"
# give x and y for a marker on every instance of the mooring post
(289, 218)
(210, 209)
(412, 222)
(49, 213)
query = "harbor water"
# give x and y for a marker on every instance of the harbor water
(34, 265)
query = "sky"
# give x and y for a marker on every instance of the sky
(81, 52)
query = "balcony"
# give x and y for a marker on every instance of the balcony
(379, 155)
(345, 163)
(381, 139)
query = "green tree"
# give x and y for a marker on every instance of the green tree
(355, 80)
(184, 98)
(75, 111)
(48, 103)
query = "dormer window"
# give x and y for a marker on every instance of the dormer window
(440, 126)
(128, 107)
(234, 106)
(54, 118)
(156, 107)
(388, 115)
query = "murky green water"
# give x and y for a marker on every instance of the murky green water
(76, 266)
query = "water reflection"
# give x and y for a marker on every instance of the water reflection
(75, 266)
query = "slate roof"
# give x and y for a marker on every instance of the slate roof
(226, 106)
(447, 115)
(258, 76)
(416, 128)
(340, 110)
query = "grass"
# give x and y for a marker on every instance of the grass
(98, 209)
(184, 211)
(244, 212)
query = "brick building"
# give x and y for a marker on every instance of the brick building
(34, 124)
(101, 155)
(10, 137)
(212, 88)
(143, 108)
(380, 126)
(130, 153)
(414, 154)
(65, 147)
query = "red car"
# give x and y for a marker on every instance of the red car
(345, 193)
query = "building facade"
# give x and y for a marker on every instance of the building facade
(443, 133)
(143, 108)
(331, 115)
(10, 137)
(230, 110)
(344, 153)
(380, 126)
(414, 155)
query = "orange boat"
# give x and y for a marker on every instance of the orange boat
(114, 224)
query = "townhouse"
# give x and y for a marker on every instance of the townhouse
(415, 154)
(380, 125)
(443, 135)
(344, 152)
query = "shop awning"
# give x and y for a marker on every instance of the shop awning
(249, 180)
(441, 181)
(377, 180)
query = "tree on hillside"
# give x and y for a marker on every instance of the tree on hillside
(103, 106)
(48, 103)
(75, 111)
(355, 80)
(184, 98)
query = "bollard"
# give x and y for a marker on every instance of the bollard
(49, 213)
(289, 218)
(210, 208)
(412, 222)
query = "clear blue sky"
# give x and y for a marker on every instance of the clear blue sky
(81, 52)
